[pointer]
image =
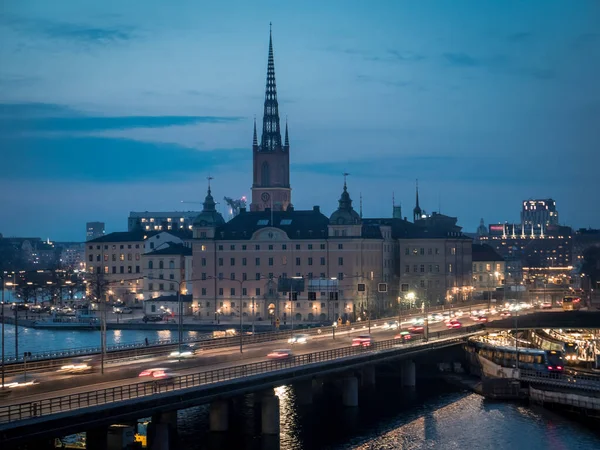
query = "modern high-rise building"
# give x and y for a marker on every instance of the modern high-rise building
(94, 230)
(539, 213)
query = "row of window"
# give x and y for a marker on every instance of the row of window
(294, 295)
(113, 269)
(488, 267)
(405, 287)
(114, 257)
(249, 304)
(161, 286)
(283, 247)
(161, 276)
(421, 268)
(270, 276)
(161, 264)
(430, 251)
(271, 261)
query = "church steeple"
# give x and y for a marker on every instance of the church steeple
(286, 143)
(255, 138)
(417, 212)
(271, 134)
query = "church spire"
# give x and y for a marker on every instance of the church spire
(417, 212)
(255, 138)
(287, 139)
(271, 133)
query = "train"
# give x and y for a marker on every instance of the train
(541, 361)
(545, 342)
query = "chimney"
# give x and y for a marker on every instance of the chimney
(316, 208)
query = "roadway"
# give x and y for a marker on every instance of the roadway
(126, 372)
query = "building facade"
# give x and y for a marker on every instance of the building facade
(94, 230)
(164, 271)
(539, 213)
(161, 221)
(488, 271)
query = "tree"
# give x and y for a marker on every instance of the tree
(97, 286)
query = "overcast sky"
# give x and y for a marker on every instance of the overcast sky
(116, 106)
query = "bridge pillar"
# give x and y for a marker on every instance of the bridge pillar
(350, 391)
(162, 431)
(219, 415)
(368, 376)
(317, 386)
(408, 374)
(270, 414)
(304, 392)
(96, 439)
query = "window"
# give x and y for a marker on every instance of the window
(310, 275)
(244, 291)
(322, 261)
(244, 276)
(270, 261)
(310, 260)
(171, 276)
(340, 261)
(415, 268)
(297, 246)
(232, 261)
(171, 264)
(284, 275)
(232, 292)
(430, 268)
(161, 287)
(285, 222)
(257, 247)
(114, 269)
(283, 247)
(114, 257)
(284, 260)
(137, 269)
(257, 276)
(450, 268)
(243, 247)
(322, 246)
(150, 286)
(204, 293)
(129, 269)
(232, 247)
(437, 251)
(137, 256)
(257, 291)
(407, 268)
(220, 291)
(151, 245)
(422, 251)
(312, 296)
(203, 262)
(310, 246)
(340, 276)
(220, 276)
(220, 247)
(232, 276)
(203, 276)
(422, 268)
(161, 265)
(270, 246)
(121, 269)
(171, 287)
(429, 251)
(244, 261)
(257, 261)
(220, 261)
(437, 268)
(297, 261)
(340, 246)
(453, 251)
(91, 258)
(407, 251)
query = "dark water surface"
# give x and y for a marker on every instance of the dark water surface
(437, 416)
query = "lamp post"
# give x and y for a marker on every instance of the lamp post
(2, 276)
(253, 316)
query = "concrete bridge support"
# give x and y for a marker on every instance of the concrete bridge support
(219, 415)
(270, 414)
(408, 374)
(317, 386)
(304, 392)
(368, 376)
(162, 431)
(96, 438)
(350, 391)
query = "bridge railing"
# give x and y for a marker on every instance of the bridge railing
(45, 407)
(46, 360)
(580, 381)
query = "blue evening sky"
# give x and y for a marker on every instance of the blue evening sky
(112, 106)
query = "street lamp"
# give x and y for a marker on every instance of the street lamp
(2, 276)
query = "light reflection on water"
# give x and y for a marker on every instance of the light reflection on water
(438, 417)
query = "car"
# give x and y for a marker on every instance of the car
(159, 375)
(280, 354)
(453, 323)
(298, 339)
(363, 340)
(416, 329)
(154, 318)
(391, 325)
(122, 310)
(19, 307)
(186, 351)
(404, 336)
(505, 314)
(482, 319)
(547, 305)
(21, 381)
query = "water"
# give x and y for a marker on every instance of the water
(436, 417)
(38, 340)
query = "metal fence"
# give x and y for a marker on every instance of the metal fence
(581, 381)
(45, 407)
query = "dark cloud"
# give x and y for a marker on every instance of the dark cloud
(107, 159)
(391, 55)
(586, 40)
(461, 60)
(74, 32)
(40, 117)
(406, 56)
(520, 37)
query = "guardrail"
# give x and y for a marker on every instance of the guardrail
(65, 403)
(57, 359)
(581, 382)
(35, 356)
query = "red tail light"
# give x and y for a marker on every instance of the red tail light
(558, 367)
(550, 367)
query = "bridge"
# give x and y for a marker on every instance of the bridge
(96, 406)
(543, 320)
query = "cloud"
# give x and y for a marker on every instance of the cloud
(370, 79)
(40, 117)
(406, 56)
(586, 40)
(74, 32)
(390, 55)
(13, 80)
(520, 37)
(461, 60)
(107, 159)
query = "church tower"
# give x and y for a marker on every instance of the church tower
(271, 159)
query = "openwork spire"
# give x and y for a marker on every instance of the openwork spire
(271, 134)
(417, 211)
(287, 139)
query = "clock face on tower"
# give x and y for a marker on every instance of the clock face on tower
(265, 197)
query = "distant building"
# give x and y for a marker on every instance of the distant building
(539, 212)
(166, 270)
(72, 255)
(162, 221)
(94, 230)
(583, 239)
(488, 271)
